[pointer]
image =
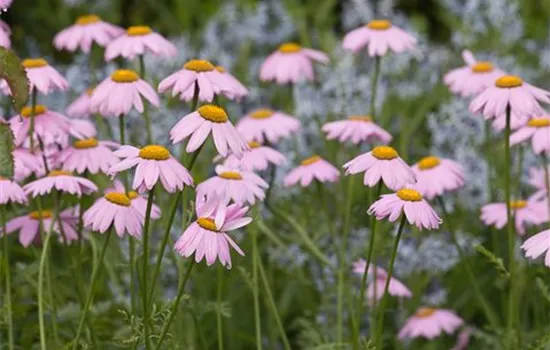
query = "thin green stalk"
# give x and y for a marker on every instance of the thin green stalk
(7, 274)
(132, 253)
(219, 292)
(122, 129)
(146, 116)
(383, 303)
(255, 289)
(374, 87)
(488, 154)
(90, 296)
(521, 151)
(52, 301)
(174, 309)
(145, 267)
(41, 271)
(33, 112)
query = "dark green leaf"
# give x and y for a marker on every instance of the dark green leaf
(14, 73)
(6, 148)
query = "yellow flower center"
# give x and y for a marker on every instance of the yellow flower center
(518, 204)
(409, 195)
(34, 63)
(289, 48)
(311, 160)
(199, 66)
(215, 114)
(87, 19)
(89, 91)
(254, 144)
(118, 198)
(207, 224)
(154, 152)
(84, 144)
(379, 24)
(132, 195)
(424, 312)
(360, 118)
(384, 153)
(482, 67)
(261, 113)
(539, 122)
(508, 81)
(427, 163)
(124, 76)
(60, 173)
(38, 110)
(44, 214)
(231, 175)
(220, 69)
(138, 30)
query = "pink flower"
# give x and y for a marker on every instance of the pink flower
(290, 64)
(43, 77)
(238, 90)
(524, 212)
(410, 202)
(516, 122)
(537, 180)
(11, 192)
(153, 164)
(265, 125)
(382, 163)
(4, 4)
(538, 130)
(356, 129)
(537, 245)
(88, 155)
(203, 75)
(429, 323)
(207, 237)
(379, 35)
(205, 120)
(312, 168)
(510, 90)
(137, 41)
(88, 29)
(436, 176)
(82, 106)
(473, 78)
(50, 126)
(463, 339)
(138, 201)
(82, 129)
(27, 163)
(117, 94)
(5, 32)
(114, 209)
(258, 158)
(375, 290)
(62, 181)
(239, 185)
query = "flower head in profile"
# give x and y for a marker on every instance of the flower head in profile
(139, 40)
(524, 212)
(291, 63)
(409, 202)
(139, 201)
(27, 163)
(11, 192)
(258, 159)
(538, 130)
(238, 90)
(87, 30)
(4, 4)
(207, 237)
(436, 176)
(62, 181)
(516, 122)
(382, 163)
(356, 129)
(537, 245)
(209, 119)
(473, 78)
(153, 163)
(82, 129)
(5, 33)
(50, 126)
(537, 179)
(117, 94)
(375, 289)
(379, 36)
(114, 210)
(233, 184)
(43, 77)
(430, 323)
(89, 155)
(82, 106)
(312, 168)
(265, 125)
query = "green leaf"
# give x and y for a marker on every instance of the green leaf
(6, 149)
(14, 73)
(496, 261)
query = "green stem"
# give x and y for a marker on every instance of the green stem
(52, 301)
(7, 274)
(219, 292)
(380, 326)
(90, 296)
(33, 112)
(374, 87)
(41, 271)
(122, 131)
(145, 267)
(255, 289)
(146, 116)
(132, 248)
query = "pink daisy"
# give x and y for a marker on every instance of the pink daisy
(117, 94)
(88, 155)
(375, 290)
(138, 201)
(516, 122)
(238, 90)
(137, 41)
(88, 29)
(239, 185)
(356, 129)
(207, 237)
(27, 163)
(50, 126)
(43, 77)
(410, 202)
(11, 192)
(203, 75)
(430, 323)
(537, 180)
(472, 79)
(379, 35)
(4, 4)
(114, 209)
(463, 339)
(205, 120)
(265, 125)
(312, 168)
(153, 163)
(62, 181)
(5, 32)
(437, 175)
(510, 90)
(258, 158)
(538, 130)
(291, 63)
(537, 245)
(82, 106)
(524, 212)
(82, 129)
(382, 163)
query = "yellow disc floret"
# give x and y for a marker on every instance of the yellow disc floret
(138, 30)
(34, 63)
(231, 175)
(207, 224)
(59, 173)
(311, 160)
(427, 163)
(132, 195)
(254, 144)
(118, 198)
(360, 118)
(215, 114)
(84, 144)
(220, 69)
(154, 152)
(508, 81)
(38, 109)
(520, 204)
(424, 312)
(289, 48)
(379, 24)
(384, 153)
(44, 214)
(482, 67)
(87, 19)
(124, 76)
(409, 195)
(539, 122)
(261, 113)
(199, 66)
